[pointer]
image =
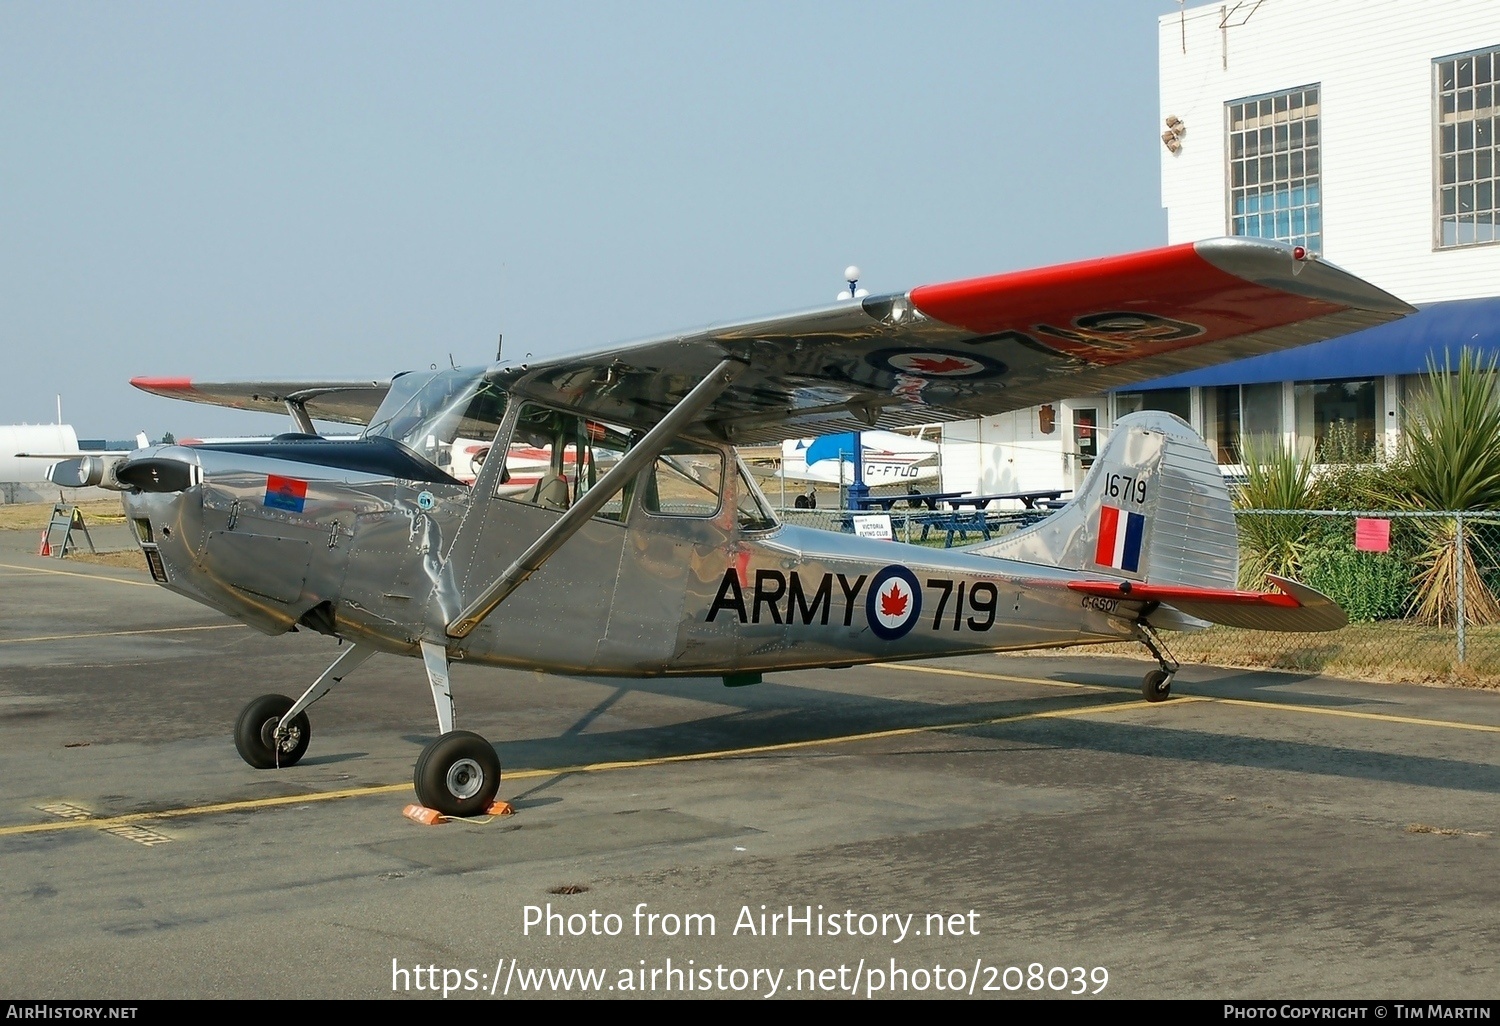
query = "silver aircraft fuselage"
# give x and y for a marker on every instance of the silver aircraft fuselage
(389, 562)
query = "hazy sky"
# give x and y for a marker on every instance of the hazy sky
(302, 191)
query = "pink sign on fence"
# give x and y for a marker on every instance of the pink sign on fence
(1371, 535)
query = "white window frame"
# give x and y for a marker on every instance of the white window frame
(1466, 149)
(1277, 169)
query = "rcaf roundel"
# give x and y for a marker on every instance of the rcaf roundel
(893, 603)
(936, 363)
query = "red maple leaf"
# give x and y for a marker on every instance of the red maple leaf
(928, 365)
(892, 603)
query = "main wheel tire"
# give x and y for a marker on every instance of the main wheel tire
(255, 733)
(458, 774)
(1157, 686)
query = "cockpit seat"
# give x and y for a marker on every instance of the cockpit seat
(551, 492)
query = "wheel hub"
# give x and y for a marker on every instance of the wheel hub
(287, 742)
(465, 779)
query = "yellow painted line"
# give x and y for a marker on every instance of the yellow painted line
(121, 634)
(916, 668)
(69, 573)
(1352, 714)
(1249, 703)
(109, 822)
(250, 804)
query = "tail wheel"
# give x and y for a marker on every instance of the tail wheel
(1157, 686)
(255, 733)
(458, 774)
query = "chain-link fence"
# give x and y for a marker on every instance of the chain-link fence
(1420, 590)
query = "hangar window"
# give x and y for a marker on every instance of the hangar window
(1170, 400)
(1321, 405)
(1467, 102)
(1237, 418)
(1275, 178)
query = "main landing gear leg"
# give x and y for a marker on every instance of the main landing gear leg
(459, 773)
(273, 731)
(1157, 685)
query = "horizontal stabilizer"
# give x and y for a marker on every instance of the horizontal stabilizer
(1293, 607)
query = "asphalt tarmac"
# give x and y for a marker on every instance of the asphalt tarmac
(995, 827)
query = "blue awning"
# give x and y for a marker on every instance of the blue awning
(1398, 347)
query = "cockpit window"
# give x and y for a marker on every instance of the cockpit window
(554, 458)
(447, 417)
(686, 481)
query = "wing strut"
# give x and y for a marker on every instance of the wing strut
(298, 409)
(592, 501)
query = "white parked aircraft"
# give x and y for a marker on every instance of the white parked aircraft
(889, 458)
(26, 448)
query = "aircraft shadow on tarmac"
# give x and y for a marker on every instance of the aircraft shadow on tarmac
(775, 713)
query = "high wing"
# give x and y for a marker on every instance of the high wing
(971, 348)
(343, 402)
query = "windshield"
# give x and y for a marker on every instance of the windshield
(448, 417)
(752, 511)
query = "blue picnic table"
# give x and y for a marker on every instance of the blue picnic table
(964, 511)
(912, 500)
(1042, 499)
(972, 512)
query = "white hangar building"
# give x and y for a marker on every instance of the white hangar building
(1367, 131)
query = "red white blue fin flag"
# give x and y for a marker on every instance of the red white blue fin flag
(1120, 533)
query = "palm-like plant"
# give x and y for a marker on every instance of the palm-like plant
(1275, 478)
(1451, 461)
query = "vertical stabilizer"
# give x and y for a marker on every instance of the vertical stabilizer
(1153, 508)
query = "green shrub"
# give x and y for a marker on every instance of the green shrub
(1352, 475)
(1452, 462)
(1276, 479)
(1369, 585)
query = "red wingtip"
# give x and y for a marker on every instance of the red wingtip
(163, 384)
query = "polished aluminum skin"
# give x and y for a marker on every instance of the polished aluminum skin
(588, 514)
(365, 559)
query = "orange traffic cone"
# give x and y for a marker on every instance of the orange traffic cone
(46, 549)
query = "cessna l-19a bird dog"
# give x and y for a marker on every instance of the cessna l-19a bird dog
(637, 545)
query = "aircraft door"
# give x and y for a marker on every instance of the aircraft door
(680, 529)
(541, 462)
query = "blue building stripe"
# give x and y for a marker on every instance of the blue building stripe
(1399, 347)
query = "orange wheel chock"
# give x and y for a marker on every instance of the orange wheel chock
(422, 814)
